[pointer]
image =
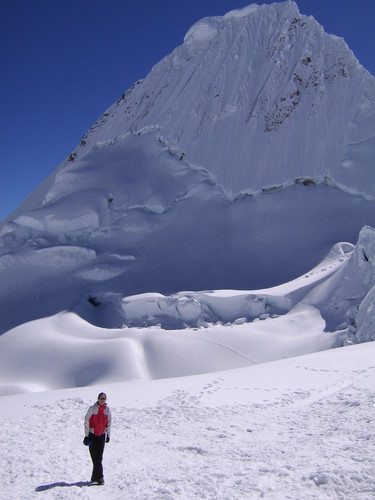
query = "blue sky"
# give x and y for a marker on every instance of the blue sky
(64, 62)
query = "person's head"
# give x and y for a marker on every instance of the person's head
(102, 398)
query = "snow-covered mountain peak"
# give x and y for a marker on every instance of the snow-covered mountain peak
(276, 96)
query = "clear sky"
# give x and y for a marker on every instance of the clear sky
(64, 62)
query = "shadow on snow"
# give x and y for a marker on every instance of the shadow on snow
(61, 484)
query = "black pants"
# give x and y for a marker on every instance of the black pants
(96, 452)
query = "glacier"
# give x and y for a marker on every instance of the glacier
(233, 185)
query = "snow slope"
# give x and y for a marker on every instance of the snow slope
(154, 223)
(297, 428)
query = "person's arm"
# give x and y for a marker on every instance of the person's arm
(109, 424)
(90, 412)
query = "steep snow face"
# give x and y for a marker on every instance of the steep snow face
(260, 96)
(347, 299)
(134, 216)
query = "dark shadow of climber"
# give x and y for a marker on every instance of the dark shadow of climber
(63, 484)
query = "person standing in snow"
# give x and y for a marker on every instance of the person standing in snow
(97, 432)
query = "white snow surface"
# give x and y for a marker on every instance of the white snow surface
(256, 426)
(302, 427)
(196, 332)
(133, 216)
(206, 257)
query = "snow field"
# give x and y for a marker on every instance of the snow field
(296, 428)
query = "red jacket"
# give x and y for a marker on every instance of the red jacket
(98, 420)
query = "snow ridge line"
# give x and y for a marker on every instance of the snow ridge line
(232, 197)
(180, 155)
